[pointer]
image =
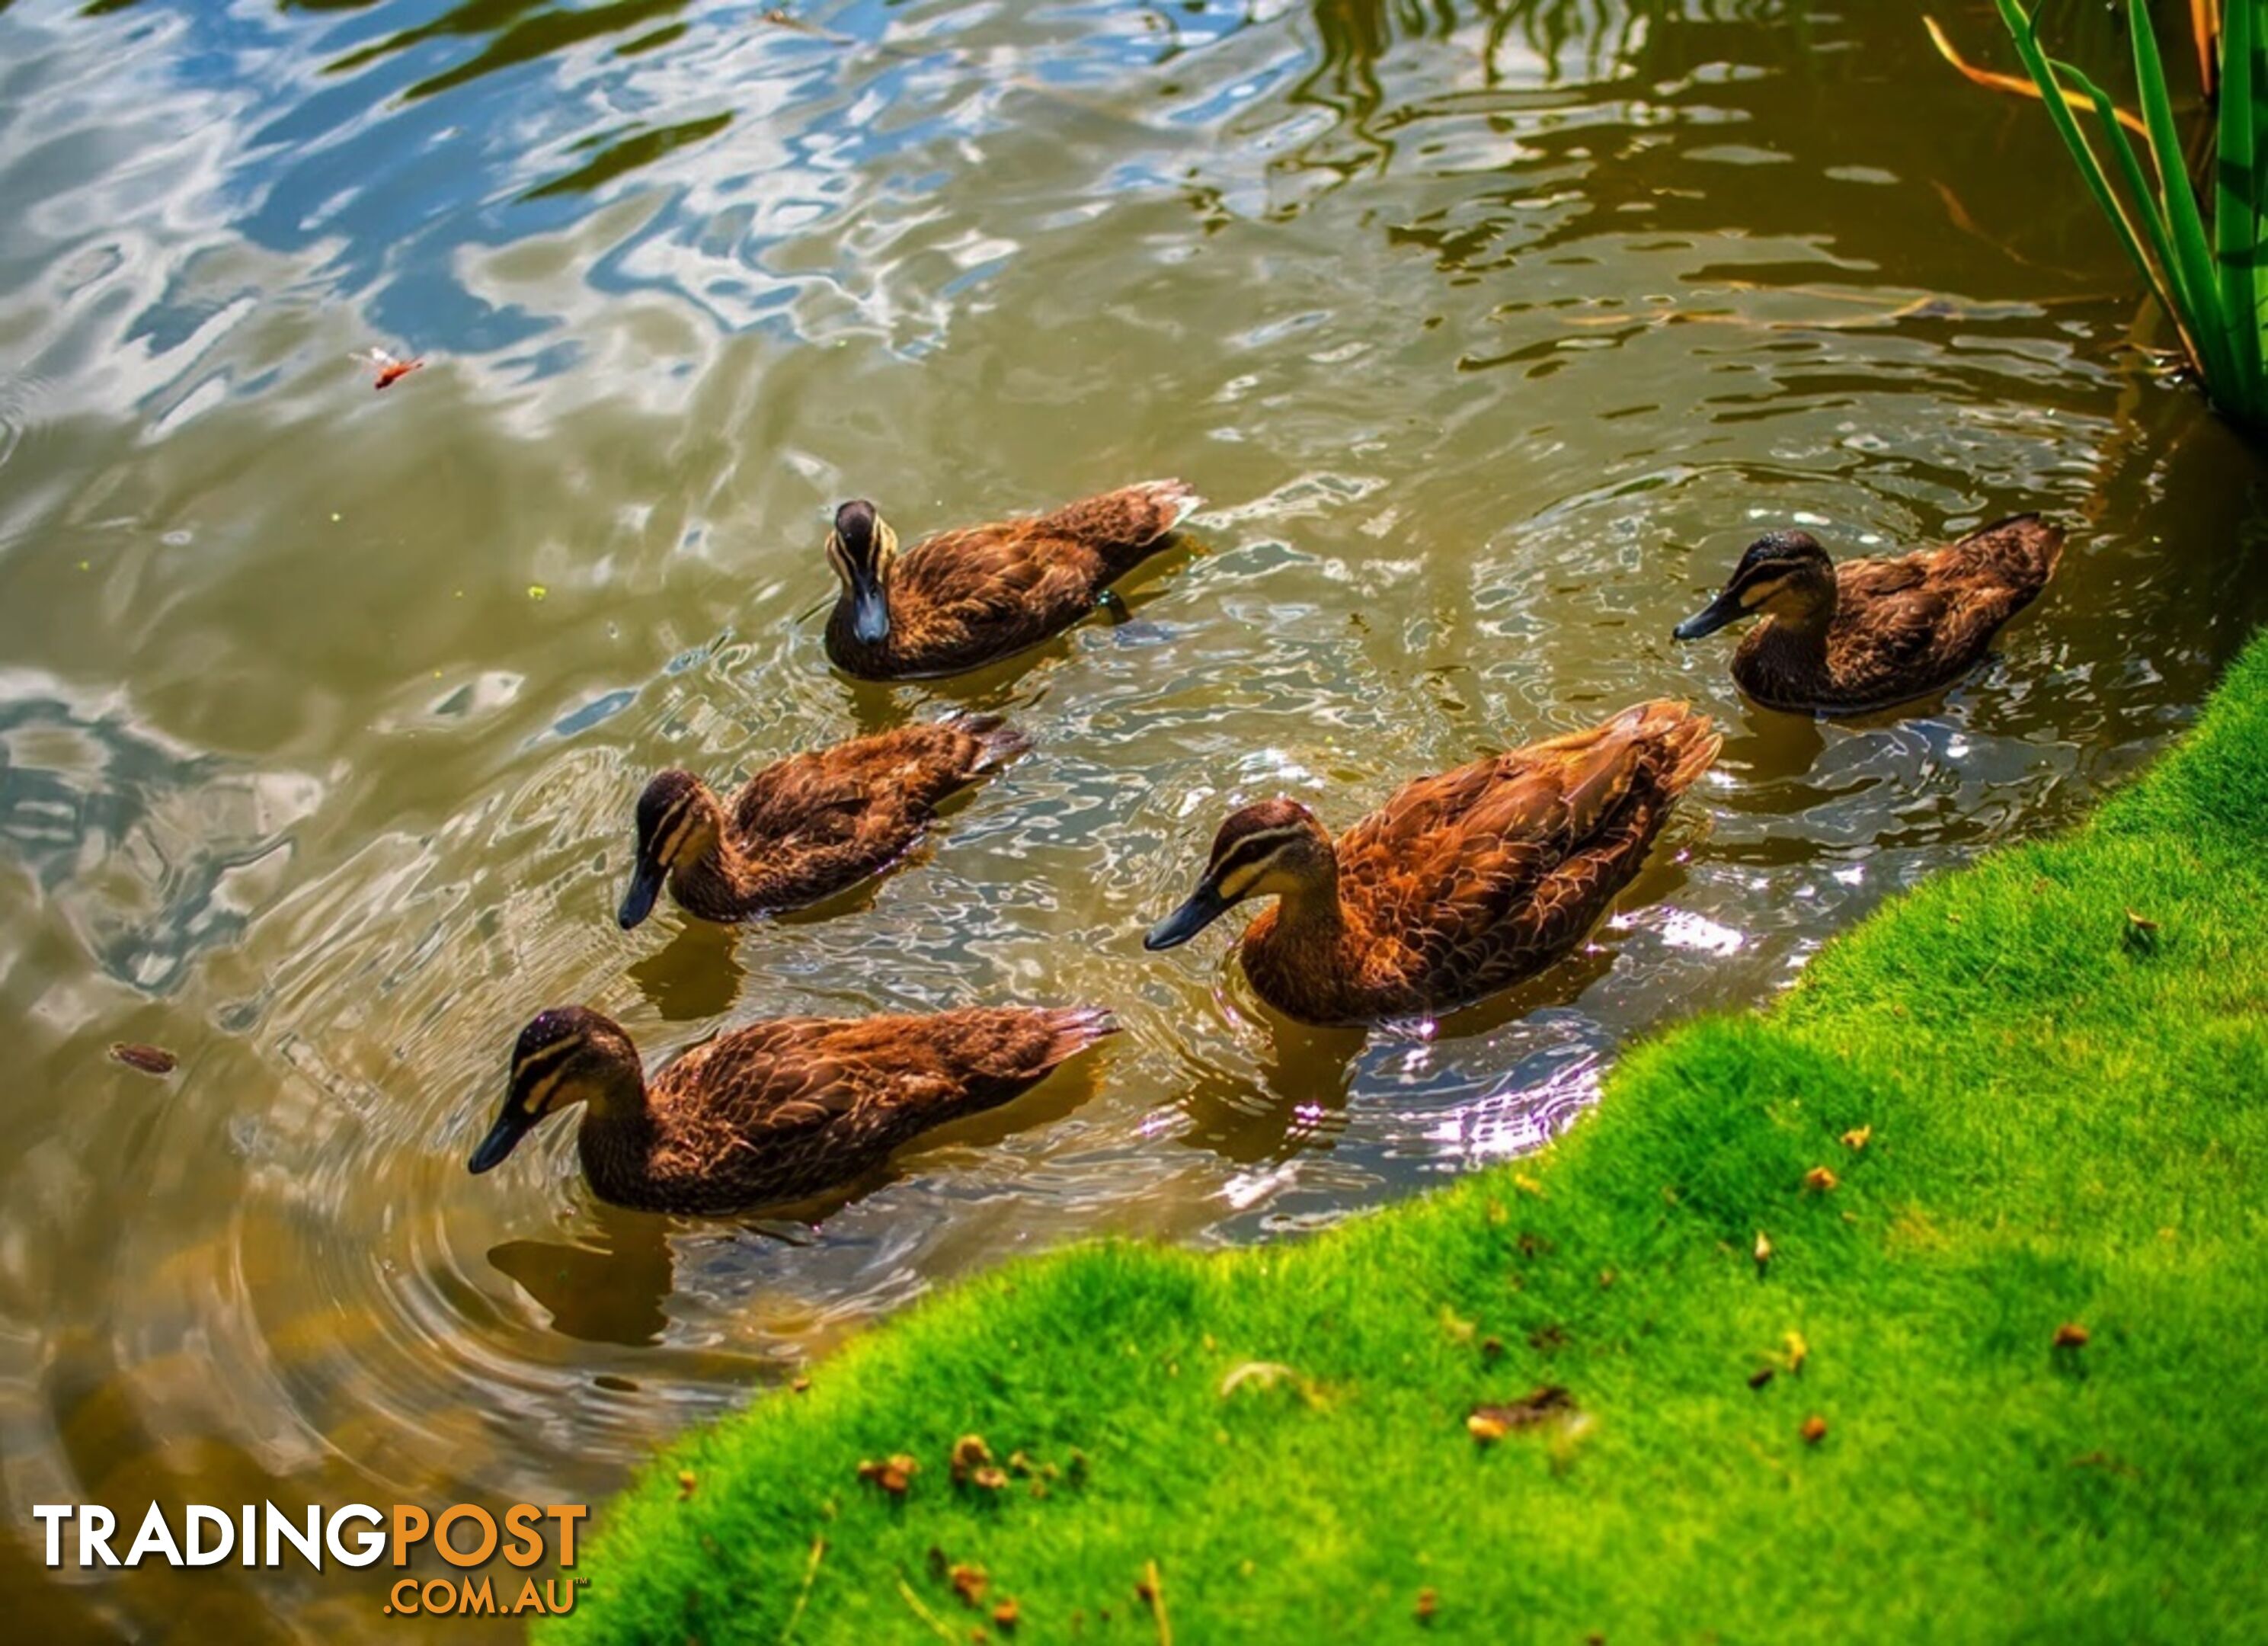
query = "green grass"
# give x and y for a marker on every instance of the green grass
(2069, 1119)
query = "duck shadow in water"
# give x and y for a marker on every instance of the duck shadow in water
(616, 1287)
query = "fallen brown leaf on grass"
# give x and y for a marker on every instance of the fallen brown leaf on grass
(894, 1474)
(1486, 1424)
(1763, 1249)
(1427, 1603)
(1819, 1180)
(988, 1477)
(1459, 1331)
(149, 1059)
(1759, 1378)
(800, 1384)
(1267, 1374)
(1814, 1429)
(969, 1582)
(1005, 1615)
(1856, 1138)
(969, 1454)
(1152, 1588)
(1798, 1352)
(1526, 1184)
(2141, 934)
(2071, 1335)
(686, 1484)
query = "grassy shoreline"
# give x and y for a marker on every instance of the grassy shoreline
(2057, 1114)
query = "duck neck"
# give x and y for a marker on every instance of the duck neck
(617, 1136)
(1309, 918)
(723, 883)
(1798, 626)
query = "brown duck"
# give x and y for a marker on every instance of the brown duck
(966, 598)
(1461, 884)
(777, 1111)
(808, 826)
(1866, 634)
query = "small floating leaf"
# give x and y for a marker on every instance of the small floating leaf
(149, 1059)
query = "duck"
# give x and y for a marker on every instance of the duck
(775, 1112)
(1460, 885)
(1871, 634)
(806, 827)
(962, 598)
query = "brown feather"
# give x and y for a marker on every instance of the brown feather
(816, 823)
(966, 598)
(785, 1110)
(1901, 628)
(1464, 883)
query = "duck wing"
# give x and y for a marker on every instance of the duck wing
(1474, 872)
(1907, 626)
(885, 784)
(827, 1097)
(993, 590)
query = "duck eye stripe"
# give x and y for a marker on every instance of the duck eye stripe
(544, 1057)
(1252, 850)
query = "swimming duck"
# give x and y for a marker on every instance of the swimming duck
(1460, 885)
(966, 598)
(775, 1112)
(1866, 634)
(806, 827)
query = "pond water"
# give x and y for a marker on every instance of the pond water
(1490, 332)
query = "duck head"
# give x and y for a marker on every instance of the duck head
(565, 1055)
(861, 549)
(679, 822)
(1782, 573)
(1274, 849)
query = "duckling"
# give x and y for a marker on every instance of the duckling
(774, 1113)
(1867, 634)
(1460, 885)
(955, 601)
(806, 827)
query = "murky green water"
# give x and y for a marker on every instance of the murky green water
(1491, 333)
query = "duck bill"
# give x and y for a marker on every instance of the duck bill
(1724, 609)
(502, 1138)
(645, 888)
(870, 613)
(1205, 907)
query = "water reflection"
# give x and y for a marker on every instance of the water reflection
(1493, 333)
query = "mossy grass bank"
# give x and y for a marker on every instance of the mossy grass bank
(1932, 1303)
